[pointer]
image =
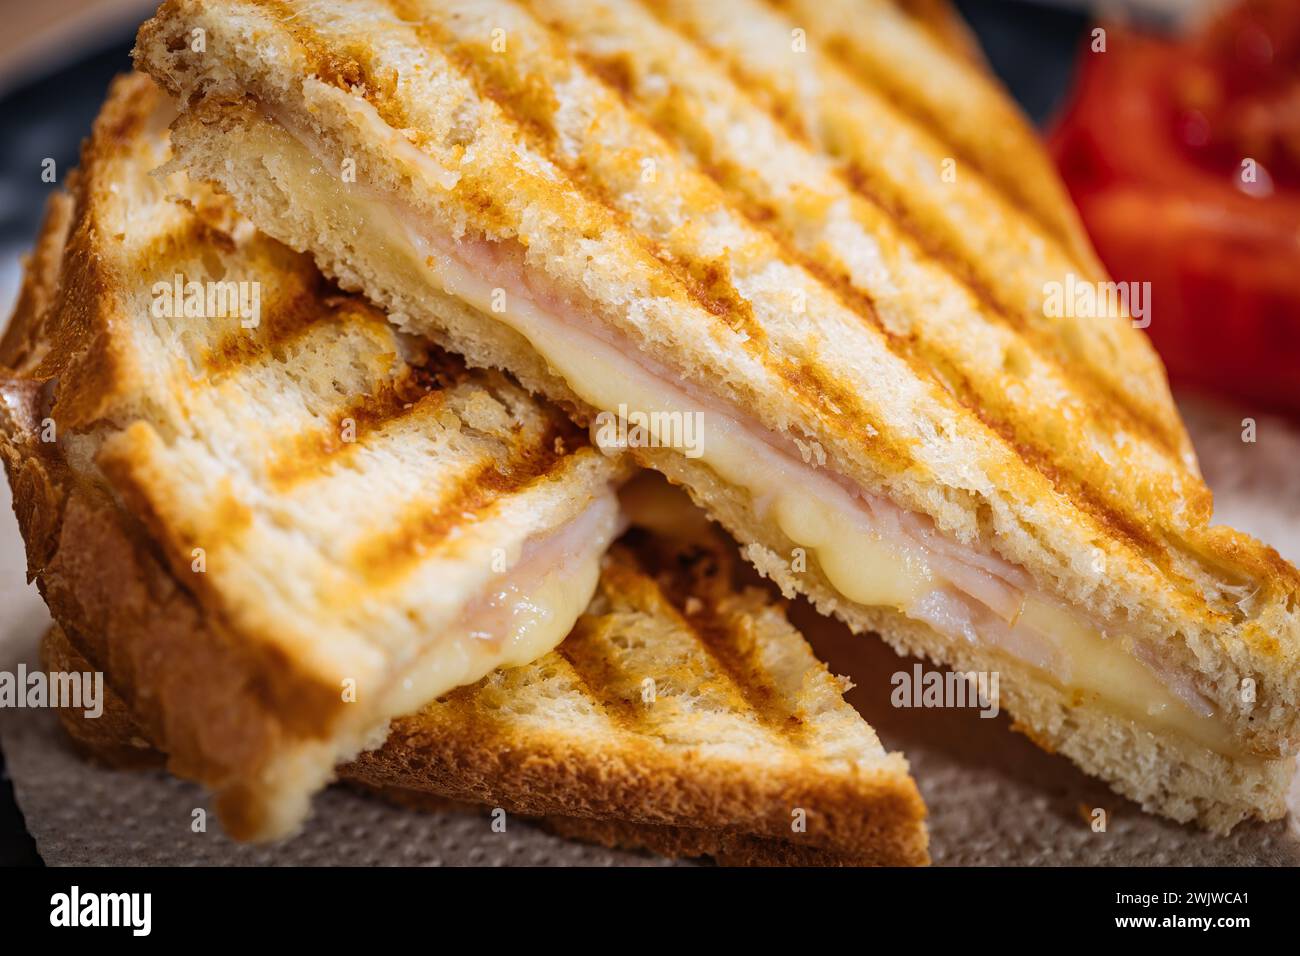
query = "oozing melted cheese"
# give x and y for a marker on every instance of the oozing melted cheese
(815, 513)
(861, 565)
(525, 616)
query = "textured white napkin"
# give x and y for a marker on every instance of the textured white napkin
(994, 798)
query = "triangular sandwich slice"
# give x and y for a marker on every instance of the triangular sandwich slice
(270, 519)
(808, 261)
(683, 714)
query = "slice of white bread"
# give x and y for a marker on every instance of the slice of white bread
(682, 714)
(268, 534)
(679, 175)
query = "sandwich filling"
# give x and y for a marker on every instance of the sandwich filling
(522, 617)
(519, 618)
(871, 552)
(876, 554)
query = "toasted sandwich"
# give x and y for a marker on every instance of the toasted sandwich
(820, 232)
(272, 521)
(683, 715)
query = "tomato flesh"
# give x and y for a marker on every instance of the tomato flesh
(1184, 159)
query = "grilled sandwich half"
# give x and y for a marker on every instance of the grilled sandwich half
(818, 230)
(683, 714)
(269, 519)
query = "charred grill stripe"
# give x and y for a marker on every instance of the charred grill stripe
(284, 322)
(841, 50)
(387, 555)
(1082, 378)
(730, 641)
(584, 651)
(987, 403)
(790, 116)
(529, 112)
(592, 651)
(314, 452)
(706, 282)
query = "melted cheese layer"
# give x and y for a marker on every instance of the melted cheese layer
(813, 511)
(527, 615)
(859, 563)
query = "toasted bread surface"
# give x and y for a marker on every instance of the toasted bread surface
(238, 514)
(675, 702)
(681, 715)
(923, 364)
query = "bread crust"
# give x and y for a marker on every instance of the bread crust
(724, 847)
(1098, 498)
(617, 781)
(1164, 774)
(189, 683)
(157, 497)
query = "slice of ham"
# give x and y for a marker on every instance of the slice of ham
(978, 596)
(500, 611)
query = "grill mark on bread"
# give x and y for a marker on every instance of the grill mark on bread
(1097, 387)
(706, 281)
(709, 283)
(386, 555)
(313, 453)
(284, 321)
(599, 676)
(686, 276)
(130, 465)
(789, 116)
(1089, 499)
(116, 128)
(614, 72)
(185, 234)
(1090, 492)
(941, 21)
(690, 586)
(350, 69)
(301, 300)
(866, 75)
(721, 295)
(730, 641)
(920, 114)
(382, 96)
(1165, 434)
(858, 180)
(227, 521)
(626, 585)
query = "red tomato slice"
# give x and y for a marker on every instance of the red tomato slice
(1152, 149)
